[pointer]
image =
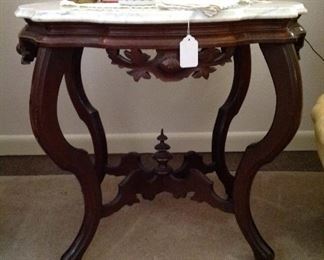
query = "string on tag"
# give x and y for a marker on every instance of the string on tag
(188, 27)
(188, 55)
(193, 14)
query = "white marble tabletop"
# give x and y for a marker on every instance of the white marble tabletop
(114, 14)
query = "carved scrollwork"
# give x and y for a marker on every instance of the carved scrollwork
(165, 65)
(132, 162)
(139, 180)
(27, 50)
(149, 185)
(299, 33)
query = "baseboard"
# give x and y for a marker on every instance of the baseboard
(143, 143)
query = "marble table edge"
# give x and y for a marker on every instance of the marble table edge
(53, 12)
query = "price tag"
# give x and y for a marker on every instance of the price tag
(189, 52)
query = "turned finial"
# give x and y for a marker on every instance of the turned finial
(162, 156)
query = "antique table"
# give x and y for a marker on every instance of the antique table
(56, 36)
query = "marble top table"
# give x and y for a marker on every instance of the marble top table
(56, 37)
(53, 12)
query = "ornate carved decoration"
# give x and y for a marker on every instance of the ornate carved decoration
(149, 185)
(132, 162)
(299, 34)
(129, 163)
(27, 50)
(193, 160)
(190, 177)
(165, 65)
(162, 156)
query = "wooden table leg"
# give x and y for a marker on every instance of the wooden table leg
(232, 105)
(284, 68)
(52, 64)
(88, 114)
(50, 67)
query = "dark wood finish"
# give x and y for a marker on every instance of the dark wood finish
(161, 36)
(166, 66)
(50, 66)
(149, 185)
(28, 50)
(58, 48)
(242, 74)
(162, 155)
(283, 65)
(128, 164)
(132, 161)
(190, 177)
(87, 112)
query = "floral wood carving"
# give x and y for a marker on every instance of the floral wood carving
(189, 177)
(165, 65)
(27, 50)
(149, 185)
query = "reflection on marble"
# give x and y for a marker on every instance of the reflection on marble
(40, 216)
(53, 12)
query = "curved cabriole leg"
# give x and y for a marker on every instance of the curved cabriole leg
(284, 68)
(49, 69)
(242, 74)
(88, 114)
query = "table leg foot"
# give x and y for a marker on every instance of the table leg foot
(284, 68)
(92, 214)
(242, 211)
(265, 253)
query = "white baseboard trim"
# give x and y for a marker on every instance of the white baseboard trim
(143, 143)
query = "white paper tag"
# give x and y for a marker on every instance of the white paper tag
(189, 52)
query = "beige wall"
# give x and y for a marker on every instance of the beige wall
(132, 111)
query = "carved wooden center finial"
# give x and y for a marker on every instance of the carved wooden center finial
(162, 156)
